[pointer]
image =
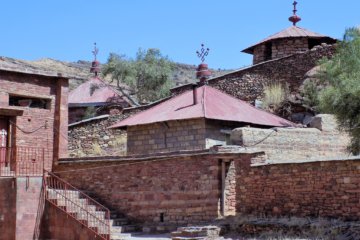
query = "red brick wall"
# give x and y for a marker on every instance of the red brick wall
(54, 136)
(19, 205)
(324, 189)
(58, 225)
(7, 208)
(28, 197)
(186, 189)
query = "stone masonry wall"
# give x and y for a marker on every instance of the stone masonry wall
(247, 83)
(58, 225)
(93, 138)
(38, 128)
(186, 189)
(7, 208)
(298, 143)
(280, 48)
(312, 189)
(169, 137)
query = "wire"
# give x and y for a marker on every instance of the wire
(28, 132)
(262, 140)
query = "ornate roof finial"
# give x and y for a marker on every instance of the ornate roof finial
(203, 73)
(95, 51)
(203, 53)
(95, 65)
(294, 18)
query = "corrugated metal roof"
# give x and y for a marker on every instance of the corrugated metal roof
(290, 32)
(94, 91)
(211, 104)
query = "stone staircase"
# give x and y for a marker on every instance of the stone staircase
(89, 215)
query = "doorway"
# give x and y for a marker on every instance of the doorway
(4, 144)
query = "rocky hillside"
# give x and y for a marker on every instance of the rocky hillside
(183, 73)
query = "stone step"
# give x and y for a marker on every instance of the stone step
(62, 192)
(120, 236)
(118, 221)
(188, 238)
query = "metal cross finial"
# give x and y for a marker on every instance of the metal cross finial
(294, 18)
(95, 51)
(295, 10)
(203, 53)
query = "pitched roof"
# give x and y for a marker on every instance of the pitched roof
(211, 104)
(21, 66)
(94, 92)
(290, 32)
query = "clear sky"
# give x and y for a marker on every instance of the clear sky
(66, 29)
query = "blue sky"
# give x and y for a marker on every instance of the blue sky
(66, 30)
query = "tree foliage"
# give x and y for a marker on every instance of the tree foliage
(342, 95)
(149, 74)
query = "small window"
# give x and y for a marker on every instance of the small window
(268, 51)
(31, 102)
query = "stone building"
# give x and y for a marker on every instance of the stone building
(96, 94)
(285, 57)
(33, 136)
(287, 42)
(194, 120)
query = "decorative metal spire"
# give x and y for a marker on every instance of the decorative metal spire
(203, 52)
(95, 51)
(294, 18)
(203, 72)
(95, 65)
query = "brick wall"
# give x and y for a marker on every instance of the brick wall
(53, 137)
(298, 143)
(19, 207)
(186, 189)
(7, 208)
(317, 189)
(169, 137)
(28, 197)
(58, 225)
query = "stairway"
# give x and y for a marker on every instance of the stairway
(79, 208)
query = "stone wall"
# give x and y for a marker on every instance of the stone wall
(279, 48)
(188, 188)
(185, 189)
(169, 137)
(289, 144)
(247, 83)
(310, 189)
(38, 127)
(20, 200)
(93, 138)
(56, 224)
(7, 208)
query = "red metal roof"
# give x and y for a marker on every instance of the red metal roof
(290, 32)
(94, 91)
(211, 104)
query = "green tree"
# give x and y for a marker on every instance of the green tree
(149, 75)
(342, 95)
